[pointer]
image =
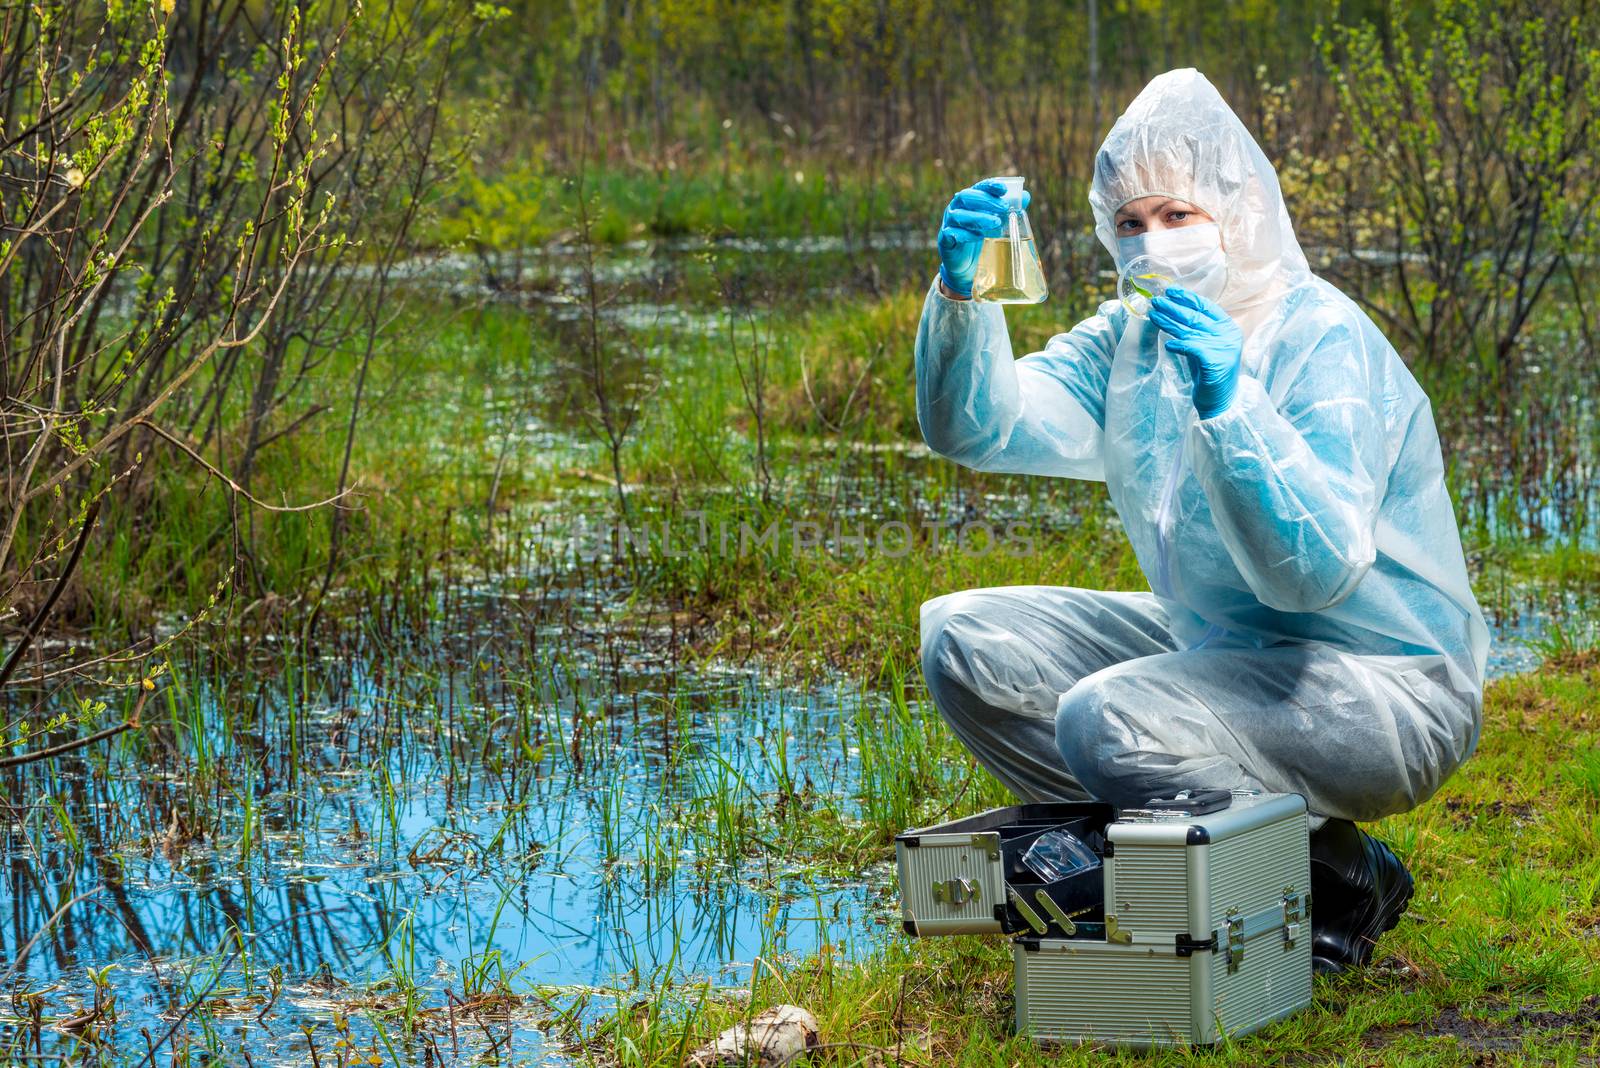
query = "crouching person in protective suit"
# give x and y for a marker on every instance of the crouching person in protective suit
(1309, 627)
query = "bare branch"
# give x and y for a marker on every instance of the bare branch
(43, 613)
(188, 450)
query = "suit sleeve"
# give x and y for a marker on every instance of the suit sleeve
(1041, 415)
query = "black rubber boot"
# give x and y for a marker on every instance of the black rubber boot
(1359, 889)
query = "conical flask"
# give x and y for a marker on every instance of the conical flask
(1008, 266)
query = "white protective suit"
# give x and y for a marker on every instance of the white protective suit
(1310, 626)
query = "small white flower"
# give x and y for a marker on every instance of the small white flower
(75, 177)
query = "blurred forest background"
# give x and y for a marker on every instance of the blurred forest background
(239, 240)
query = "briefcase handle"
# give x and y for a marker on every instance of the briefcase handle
(1194, 802)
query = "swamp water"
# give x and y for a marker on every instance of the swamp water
(482, 848)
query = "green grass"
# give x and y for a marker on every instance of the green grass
(452, 381)
(742, 195)
(1497, 954)
(425, 454)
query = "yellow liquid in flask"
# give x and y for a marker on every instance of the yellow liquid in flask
(1009, 276)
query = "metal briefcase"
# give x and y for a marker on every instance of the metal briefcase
(1199, 926)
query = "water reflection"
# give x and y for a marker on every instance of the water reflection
(566, 827)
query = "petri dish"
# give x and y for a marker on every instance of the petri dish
(1141, 280)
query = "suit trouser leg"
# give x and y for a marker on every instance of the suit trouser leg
(1065, 693)
(1359, 737)
(998, 660)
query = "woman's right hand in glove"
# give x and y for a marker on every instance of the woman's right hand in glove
(974, 214)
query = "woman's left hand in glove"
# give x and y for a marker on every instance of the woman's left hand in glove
(1203, 334)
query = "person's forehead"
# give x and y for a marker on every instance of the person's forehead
(1150, 204)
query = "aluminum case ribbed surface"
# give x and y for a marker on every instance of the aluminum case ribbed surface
(1208, 933)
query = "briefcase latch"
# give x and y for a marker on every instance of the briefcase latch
(1235, 939)
(955, 892)
(1296, 907)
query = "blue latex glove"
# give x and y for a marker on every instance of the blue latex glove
(974, 214)
(1202, 333)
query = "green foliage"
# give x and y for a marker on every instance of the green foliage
(172, 245)
(519, 207)
(1476, 163)
(849, 72)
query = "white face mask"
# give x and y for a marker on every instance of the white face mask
(1194, 252)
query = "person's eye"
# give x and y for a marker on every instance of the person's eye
(1178, 216)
